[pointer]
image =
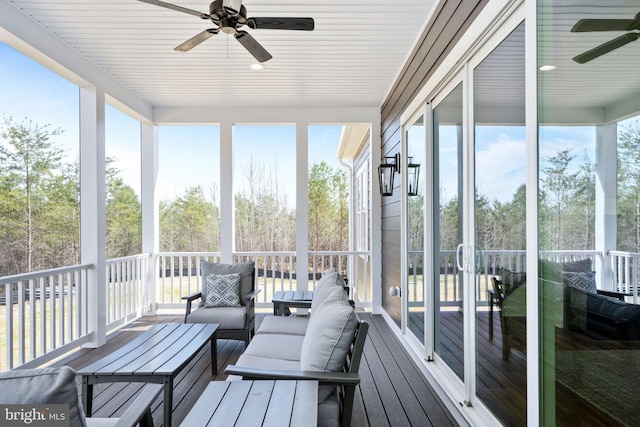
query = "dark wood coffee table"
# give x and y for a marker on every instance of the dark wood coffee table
(283, 300)
(256, 403)
(156, 356)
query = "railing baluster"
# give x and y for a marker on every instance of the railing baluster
(8, 292)
(52, 300)
(61, 316)
(21, 321)
(33, 317)
(70, 305)
(43, 316)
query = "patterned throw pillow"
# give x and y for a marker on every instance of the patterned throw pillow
(585, 280)
(222, 290)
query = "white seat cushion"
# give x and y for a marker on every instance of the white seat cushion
(283, 325)
(267, 363)
(227, 317)
(276, 346)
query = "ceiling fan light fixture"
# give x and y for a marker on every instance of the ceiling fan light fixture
(257, 66)
(547, 67)
(232, 7)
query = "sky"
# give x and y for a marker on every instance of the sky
(188, 155)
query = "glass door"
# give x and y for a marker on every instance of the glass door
(448, 283)
(499, 218)
(479, 247)
(415, 138)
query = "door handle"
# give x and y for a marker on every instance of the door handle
(460, 250)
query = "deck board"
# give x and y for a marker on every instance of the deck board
(393, 391)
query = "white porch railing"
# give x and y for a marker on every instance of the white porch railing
(179, 273)
(626, 269)
(487, 264)
(42, 314)
(127, 289)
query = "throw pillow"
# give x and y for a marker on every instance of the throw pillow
(43, 386)
(245, 268)
(585, 280)
(328, 338)
(222, 290)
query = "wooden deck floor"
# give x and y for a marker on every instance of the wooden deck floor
(393, 391)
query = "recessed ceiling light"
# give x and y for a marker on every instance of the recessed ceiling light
(547, 68)
(257, 66)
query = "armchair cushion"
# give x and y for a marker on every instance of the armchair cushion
(223, 290)
(227, 317)
(329, 336)
(245, 269)
(42, 386)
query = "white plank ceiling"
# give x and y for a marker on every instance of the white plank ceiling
(350, 59)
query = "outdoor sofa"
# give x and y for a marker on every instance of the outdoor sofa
(325, 346)
(42, 388)
(578, 307)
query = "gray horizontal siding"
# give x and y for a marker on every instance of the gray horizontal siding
(448, 23)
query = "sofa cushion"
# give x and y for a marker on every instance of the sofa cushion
(276, 346)
(329, 411)
(253, 361)
(245, 269)
(324, 287)
(227, 317)
(223, 290)
(576, 266)
(295, 325)
(329, 336)
(43, 386)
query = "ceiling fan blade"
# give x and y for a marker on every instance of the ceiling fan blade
(196, 40)
(304, 24)
(606, 47)
(252, 45)
(178, 8)
(586, 25)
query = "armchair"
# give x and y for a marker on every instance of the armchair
(237, 321)
(50, 386)
(510, 299)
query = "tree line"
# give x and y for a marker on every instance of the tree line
(40, 208)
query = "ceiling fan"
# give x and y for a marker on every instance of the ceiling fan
(231, 15)
(588, 25)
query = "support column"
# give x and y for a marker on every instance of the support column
(375, 204)
(92, 214)
(150, 214)
(302, 206)
(606, 194)
(227, 223)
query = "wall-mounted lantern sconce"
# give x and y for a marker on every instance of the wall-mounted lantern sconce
(386, 171)
(413, 175)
